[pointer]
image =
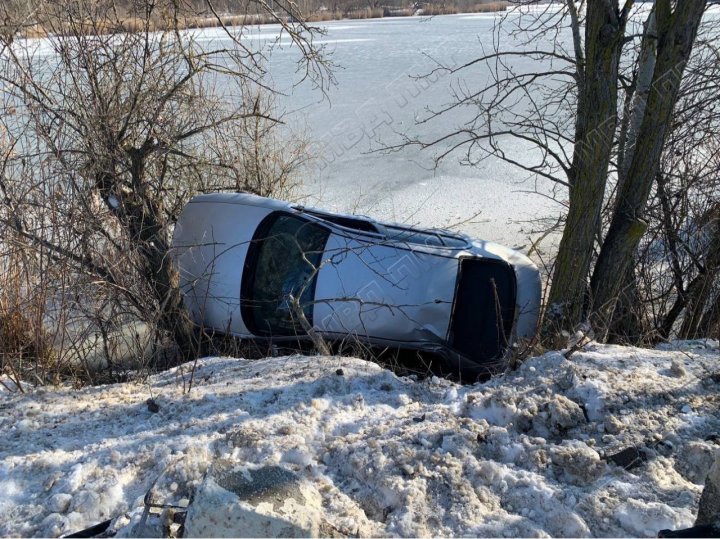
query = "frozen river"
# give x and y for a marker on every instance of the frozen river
(376, 97)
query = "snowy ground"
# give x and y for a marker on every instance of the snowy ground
(522, 455)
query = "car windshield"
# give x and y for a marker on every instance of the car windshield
(283, 265)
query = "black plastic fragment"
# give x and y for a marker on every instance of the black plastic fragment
(628, 458)
(153, 406)
(695, 531)
(92, 531)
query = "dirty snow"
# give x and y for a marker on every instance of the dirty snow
(522, 455)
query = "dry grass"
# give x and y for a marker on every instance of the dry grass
(23, 347)
(135, 24)
(322, 16)
(87, 27)
(367, 13)
(431, 10)
(34, 30)
(452, 9)
(398, 12)
(229, 20)
(26, 351)
(488, 7)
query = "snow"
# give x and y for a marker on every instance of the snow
(521, 455)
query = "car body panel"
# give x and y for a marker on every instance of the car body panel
(382, 290)
(210, 243)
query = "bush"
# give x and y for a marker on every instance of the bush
(93, 181)
(26, 351)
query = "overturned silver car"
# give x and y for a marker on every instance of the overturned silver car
(260, 268)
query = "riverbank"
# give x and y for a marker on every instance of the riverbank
(616, 442)
(135, 24)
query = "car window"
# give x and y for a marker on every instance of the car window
(284, 258)
(345, 221)
(410, 235)
(454, 241)
(413, 236)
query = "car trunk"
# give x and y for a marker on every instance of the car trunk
(484, 310)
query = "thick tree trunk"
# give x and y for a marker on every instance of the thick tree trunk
(140, 215)
(676, 35)
(671, 317)
(594, 133)
(173, 318)
(702, 286)
(160, 273)
(695, 307)
(621, 241)
(643, 85)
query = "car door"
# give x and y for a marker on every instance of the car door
(384, 292)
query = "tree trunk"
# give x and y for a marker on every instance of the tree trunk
(695, 307)
(710, 324)
(643, 85)
(692, 300)
(172, 317)
(624, 238)
(627, 325)
(141, 216)
(676, 35)
(594, 133)
(702, 286)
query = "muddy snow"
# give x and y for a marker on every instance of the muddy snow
(613, 442)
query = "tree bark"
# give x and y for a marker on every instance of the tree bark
(141, 215)
(594, 133)
(627, 325)
(692, 300)
(676, 34)
(642, 87)
(701, 287)
(710, 324)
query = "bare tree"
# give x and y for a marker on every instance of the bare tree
(675, 32)
(109, 133)
(594, 108)
(679, 255)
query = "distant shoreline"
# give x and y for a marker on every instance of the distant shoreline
(428, 10)
(131, 24)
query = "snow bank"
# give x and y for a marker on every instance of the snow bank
(526, 454)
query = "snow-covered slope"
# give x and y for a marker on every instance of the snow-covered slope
(522, 455)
